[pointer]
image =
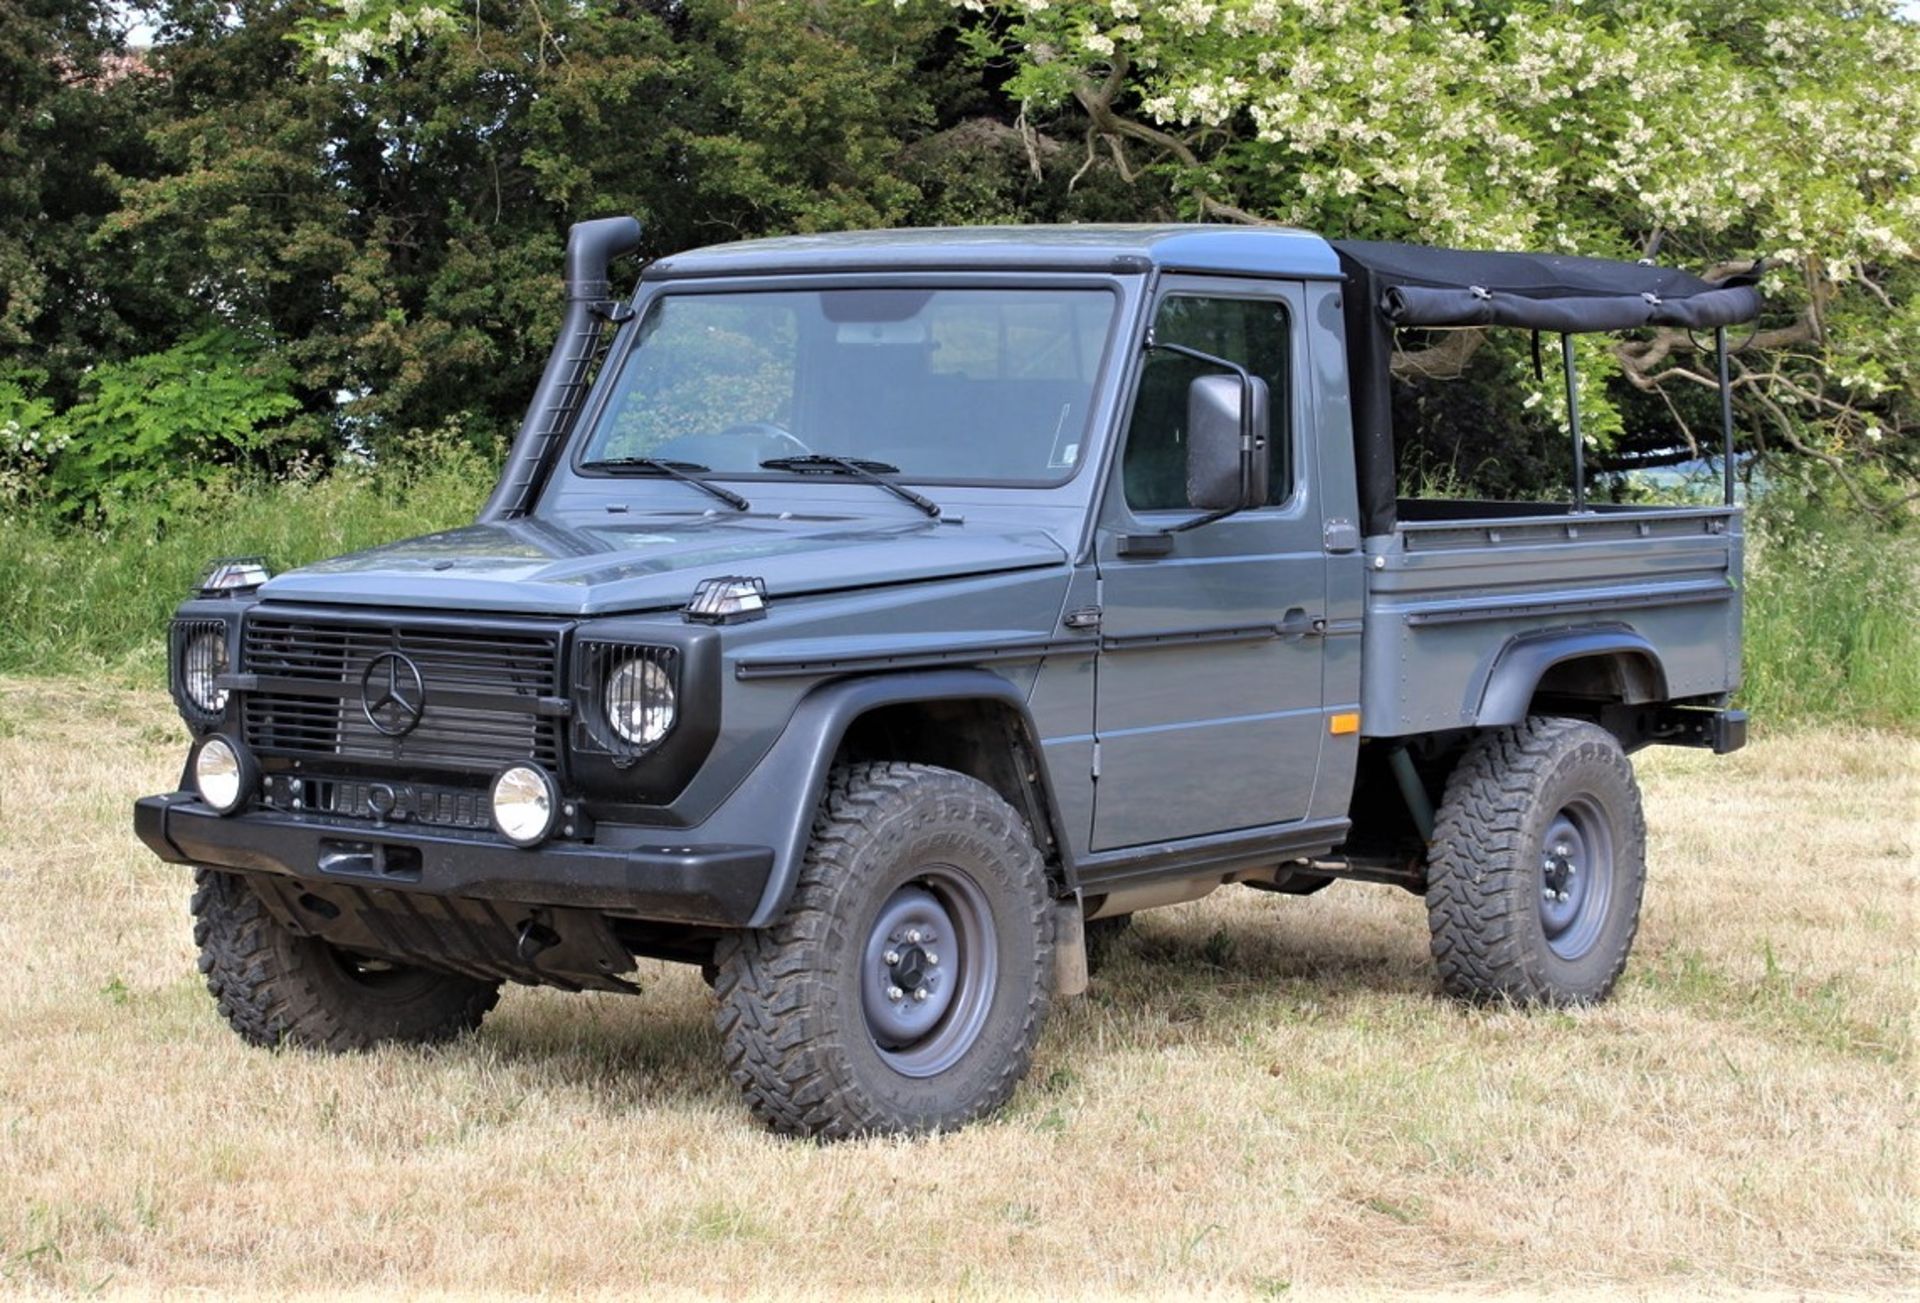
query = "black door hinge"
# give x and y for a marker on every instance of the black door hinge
(1341, 536)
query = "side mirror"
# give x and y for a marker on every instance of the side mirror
(1219, 477)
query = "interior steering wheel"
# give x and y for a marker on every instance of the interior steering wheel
(767, 430)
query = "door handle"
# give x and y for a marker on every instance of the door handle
(1297, 624)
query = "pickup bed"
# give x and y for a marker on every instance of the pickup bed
(879, 620)
(1459, 592)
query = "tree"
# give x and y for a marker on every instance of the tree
(384, 186)
(72, 102)
(1706, 132)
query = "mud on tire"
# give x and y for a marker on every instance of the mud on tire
(1538, 865)
(922, 902)
(274, 987)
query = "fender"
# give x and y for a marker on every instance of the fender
(775, 804)
(1520, 665)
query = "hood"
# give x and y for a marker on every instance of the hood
(534, 566)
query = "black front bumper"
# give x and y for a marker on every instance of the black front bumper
(705, 885)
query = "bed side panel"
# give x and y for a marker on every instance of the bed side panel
(1445, 598)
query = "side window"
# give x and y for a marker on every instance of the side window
(1252, 332)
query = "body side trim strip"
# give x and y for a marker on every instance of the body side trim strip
(774, 667)
(1713, 591)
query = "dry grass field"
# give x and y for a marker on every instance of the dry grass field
(1261, 1094)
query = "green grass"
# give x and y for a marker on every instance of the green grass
(1832, 602)
(1832, 617)
(97, 599)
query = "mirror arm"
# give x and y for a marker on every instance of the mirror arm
(1198, 521)
(1154, 345)
(1246, 393)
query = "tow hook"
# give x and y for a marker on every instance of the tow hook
(533, 938)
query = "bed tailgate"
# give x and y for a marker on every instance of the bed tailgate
(1447, 600)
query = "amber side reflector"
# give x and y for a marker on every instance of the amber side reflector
(1345, 722)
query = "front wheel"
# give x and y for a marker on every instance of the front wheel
(1538, 865)
(905, 987)
(274, 987)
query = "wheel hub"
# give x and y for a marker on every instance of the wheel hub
(1576, 878)
(912, 970)
(928, 971)
(905, 991)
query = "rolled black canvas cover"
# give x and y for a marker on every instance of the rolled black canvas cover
(1410, 285)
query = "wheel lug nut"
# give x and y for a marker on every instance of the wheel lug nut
(891, 958)
(913, 936)
(933, 960)
(895, 993)
(920, 995)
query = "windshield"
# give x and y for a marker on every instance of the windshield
(974, 385)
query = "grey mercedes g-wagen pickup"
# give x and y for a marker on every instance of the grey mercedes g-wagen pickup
(865, 618)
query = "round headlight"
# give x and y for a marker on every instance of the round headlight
(222, 774)
(524, 804)
(203, 660)
(640, 702)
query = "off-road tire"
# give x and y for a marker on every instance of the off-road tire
(274, 987)
(1485, 871)
(791, 1017)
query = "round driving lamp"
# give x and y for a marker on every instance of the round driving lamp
(223, 773)
(640, 701)
(202, 661)
(526, 804)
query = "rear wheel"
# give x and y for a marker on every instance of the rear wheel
(275, 987)
(1538, 866)
(905, 987)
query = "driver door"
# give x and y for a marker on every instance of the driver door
(1208, 683)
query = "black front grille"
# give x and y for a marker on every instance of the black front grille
(489, 693)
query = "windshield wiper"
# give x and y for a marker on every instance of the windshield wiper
(873, 472)
(684, 471)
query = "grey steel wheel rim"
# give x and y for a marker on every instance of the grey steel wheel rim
(1576, 878)
(928, 972)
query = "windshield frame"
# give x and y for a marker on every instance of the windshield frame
(650, 294)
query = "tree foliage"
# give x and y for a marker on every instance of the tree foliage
(1710, 131)
(387, 188)
(72, 111)
(359, 206)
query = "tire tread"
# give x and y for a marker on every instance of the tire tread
(795, 1074)
(262, 980)
(1479, 881)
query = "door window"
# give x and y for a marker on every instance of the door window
(1252, 332)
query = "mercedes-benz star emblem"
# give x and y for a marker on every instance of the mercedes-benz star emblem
(392, 694)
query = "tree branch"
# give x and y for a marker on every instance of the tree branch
(1097, 102)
